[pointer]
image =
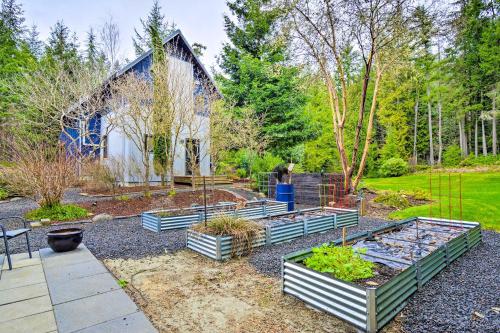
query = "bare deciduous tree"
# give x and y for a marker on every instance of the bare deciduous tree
(132, 109)
(110, 40)
(328, 29)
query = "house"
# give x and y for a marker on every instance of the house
(111, 146)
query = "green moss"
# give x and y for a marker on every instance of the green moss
(343, 262)
(57, 213)
(3, 194)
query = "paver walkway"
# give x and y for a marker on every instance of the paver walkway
(64, 292)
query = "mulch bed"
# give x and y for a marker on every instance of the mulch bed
(137, 205)
(129, 189)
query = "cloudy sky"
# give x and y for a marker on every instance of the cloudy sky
(200, 20)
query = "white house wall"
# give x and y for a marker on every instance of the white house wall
(121, 148)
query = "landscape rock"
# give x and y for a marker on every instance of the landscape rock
(102, 217)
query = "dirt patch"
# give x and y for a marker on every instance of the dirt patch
(382, 274)
(129, 189)
(137, 205)
(186, 292)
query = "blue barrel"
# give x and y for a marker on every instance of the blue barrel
(286, 193)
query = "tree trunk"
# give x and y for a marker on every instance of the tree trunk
(476, 141)
(429, 116)
(483, 138)
(469, 136)
(494, 126)
(415, 126)
(463, 138)
(146, 173)
(440, 132)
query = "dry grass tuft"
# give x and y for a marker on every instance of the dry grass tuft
(242, 231)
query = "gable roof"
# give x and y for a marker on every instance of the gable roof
(174, 34)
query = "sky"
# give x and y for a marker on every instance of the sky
(199, 20)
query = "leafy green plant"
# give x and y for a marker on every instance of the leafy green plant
(343, 262)
(122, 283)
(392, 199)
(171, 193)
(242, 231)
(57, 213)
(3, 193)
(123, 197)
(393, 167)
(452, 156)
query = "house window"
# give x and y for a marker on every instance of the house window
(88, 134)
(148, 143)
(105, 146)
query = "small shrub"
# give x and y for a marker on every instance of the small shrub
(102, 177)
(393, 199)
(57, 213)
(241, 173)
(452, 156)
(393, 167)
(241, 230)
(171, 193)
(3, 193)
(480, 160)
(343, 262)
(123, 197)
(418, 194)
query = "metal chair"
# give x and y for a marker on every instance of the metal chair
(6, 235)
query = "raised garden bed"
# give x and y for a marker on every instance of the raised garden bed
(369, 308)
(160, 220)
(275, 230)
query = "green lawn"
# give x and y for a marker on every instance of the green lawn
(480, 196)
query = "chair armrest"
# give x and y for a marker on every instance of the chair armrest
(25, 223)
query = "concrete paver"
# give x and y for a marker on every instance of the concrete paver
(83, 287)
(40, 323)
(23, 293)
(65, 292)
(25, 308)
(86, 312)
(133, 323)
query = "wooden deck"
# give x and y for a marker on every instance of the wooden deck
(218, 180)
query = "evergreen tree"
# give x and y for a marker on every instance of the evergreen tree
(155, 20)
(12, 16)
(34, 43)
(62, 46)
(256, 75)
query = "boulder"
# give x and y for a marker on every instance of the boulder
(102, 217)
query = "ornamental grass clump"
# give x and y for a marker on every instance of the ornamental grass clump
(242, 231)
(343, 262)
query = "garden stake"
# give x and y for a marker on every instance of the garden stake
(343, 236)
(449, 194)
(460, 192)
(430, 191)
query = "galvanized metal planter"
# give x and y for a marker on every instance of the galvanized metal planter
(183, 218)
(370, 308)
(220, 247)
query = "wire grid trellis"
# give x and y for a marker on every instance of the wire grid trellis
(445, 195)
(311, 188)
(266, 183)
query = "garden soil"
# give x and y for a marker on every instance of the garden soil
(185, 292)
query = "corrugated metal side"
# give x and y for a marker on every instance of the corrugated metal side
(279, 208)
(149, 222)
(391, 297)
(284, 232)
(345, 219)
(432, 264)
(201, 243)
(339, 298)
(226, 245)
(320, 224)
(178, 222)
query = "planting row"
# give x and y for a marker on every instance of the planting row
(161, 220)
(385, 267)
(271, 230)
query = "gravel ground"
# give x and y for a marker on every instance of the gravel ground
(119, 238)
(267, 260)
(470, 284)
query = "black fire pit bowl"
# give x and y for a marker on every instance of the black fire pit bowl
(64, 240)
